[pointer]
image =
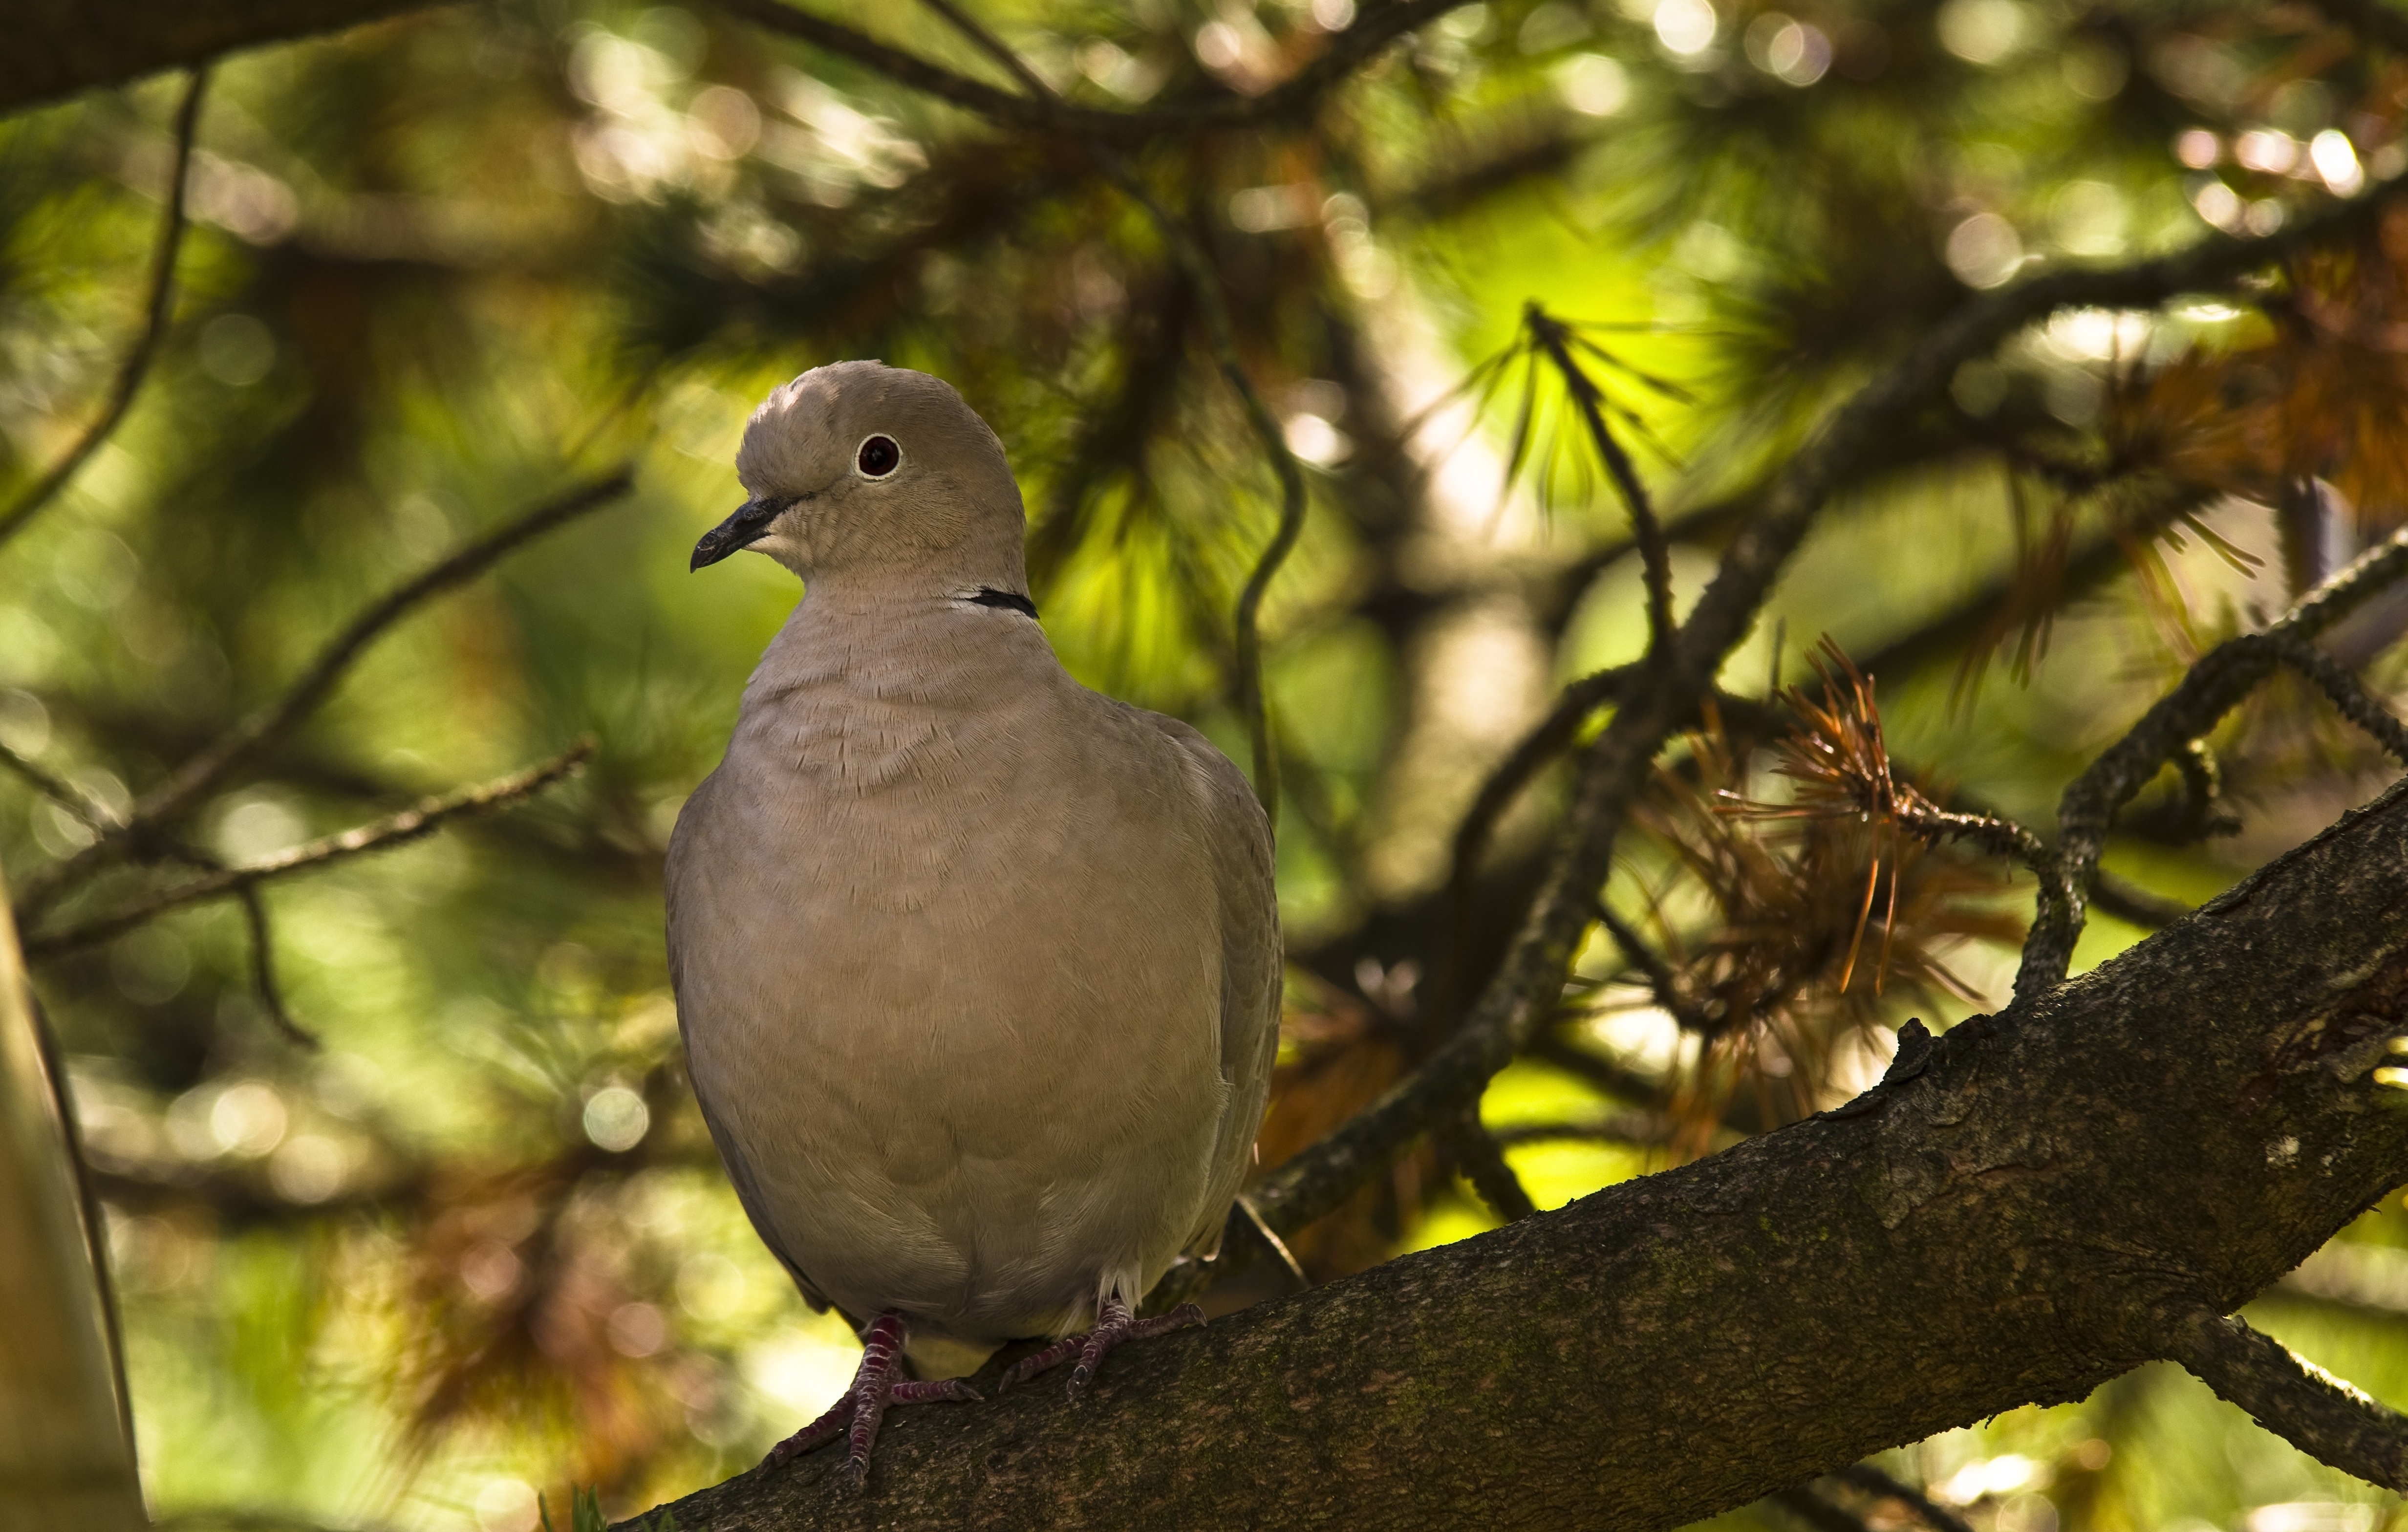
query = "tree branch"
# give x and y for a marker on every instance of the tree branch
(1214, 309)
(1523, 991)
(59, 46)
(1377, 27)
(1870, 1480)
(410, 824)
(1810, 1298)
(131, 372)
(205, 770)
(2213, 687)
(2299, 1402)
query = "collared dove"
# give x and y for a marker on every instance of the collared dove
(978, 970)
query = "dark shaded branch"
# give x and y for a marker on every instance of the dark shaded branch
(1814, 1510)
(1206, 281)
(1548, 739)
(74, 800)
(2349, 693)
(137, 364)
(392, 831)
(1865, 1476)
(1481, 1158)
(1373, 29)
(2133, 905)
(59, 46)
(2299, 1402)
(263, 966)
(2213, 687)
(1636, 1129)
(208, 768)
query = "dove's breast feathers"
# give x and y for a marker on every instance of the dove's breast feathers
(978, 969)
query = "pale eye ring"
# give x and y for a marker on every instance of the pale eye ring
(878, 456)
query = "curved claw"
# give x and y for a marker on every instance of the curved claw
(1113, 1326)
(863, 1406)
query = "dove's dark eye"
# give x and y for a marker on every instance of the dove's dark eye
(878, 456)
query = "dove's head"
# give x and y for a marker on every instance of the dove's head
(862, 470)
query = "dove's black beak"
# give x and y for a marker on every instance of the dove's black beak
(751, 520)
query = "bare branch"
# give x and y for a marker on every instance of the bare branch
(263, 968)
(1865, 1476)
(197, 776)
(2133, 905)
(2349, 693)
(994, 47)
(74, 800)
(1548, 739)
(1815, 1512)
(409, 824)
(1206, 281)
(2294, 1398)
(1481, 1158)
(2213, 687)
(1636, 1129)
(1377, 27)
(131, 372)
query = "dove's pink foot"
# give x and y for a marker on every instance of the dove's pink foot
(878, 1383)
(1112, 1327)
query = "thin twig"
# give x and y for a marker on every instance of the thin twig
(89, 811)
(1482, 1159)
(410, 824)
(1636, 1129)
(1817, 1513)
(2210, 689)
(1865, 1476)
(1661, 980)
(1218, 327)
(1553, 337)
(1548, 739)
(263, 968)
(2349, 693)
(137, 364)
(1377, 27)
(2133, 905)
(205, 770)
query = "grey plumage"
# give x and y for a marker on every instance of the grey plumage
(978, 970)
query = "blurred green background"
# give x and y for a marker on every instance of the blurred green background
(477, 1246)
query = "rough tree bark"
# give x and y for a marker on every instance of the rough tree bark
(2024, 1210)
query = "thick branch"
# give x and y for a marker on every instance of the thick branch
(1804, 1300)
(59, 46)
(2319, 1413)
